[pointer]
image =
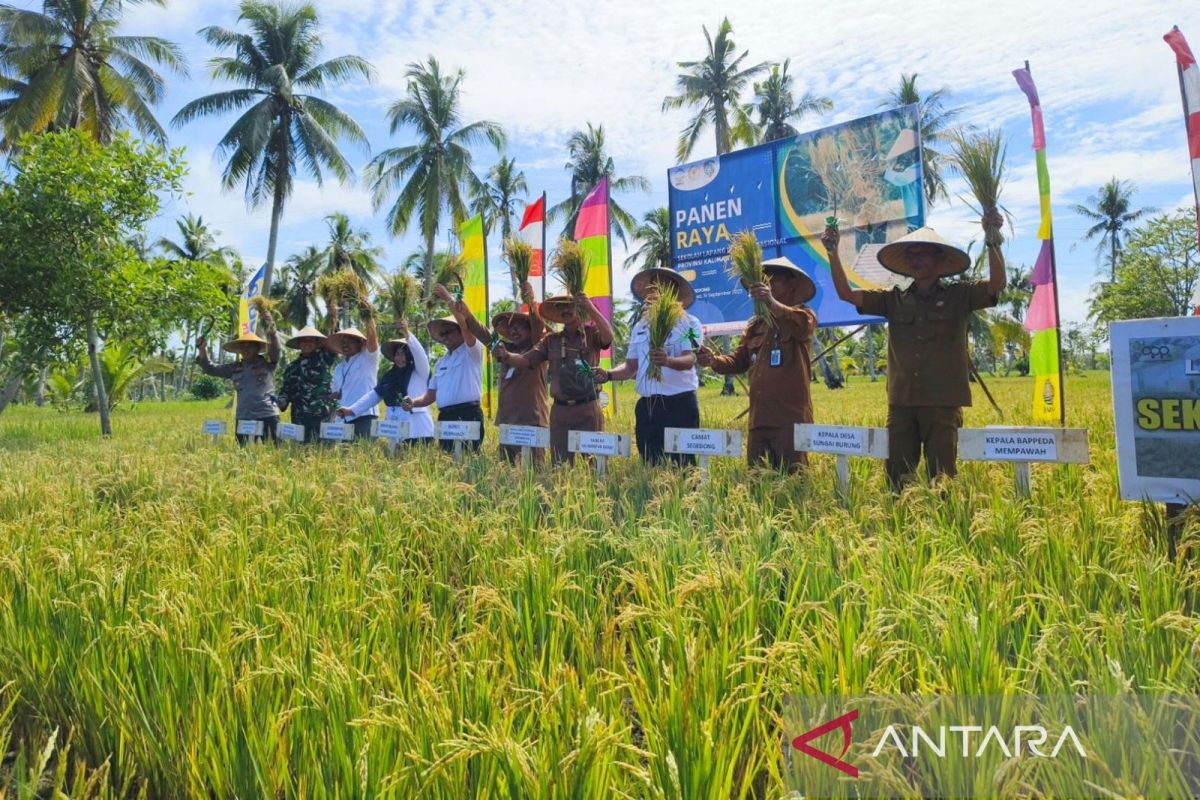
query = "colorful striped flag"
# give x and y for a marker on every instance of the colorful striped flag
(1041, 319)
(475, 289)
(1189, 88)
(591, 231)
(533, 233)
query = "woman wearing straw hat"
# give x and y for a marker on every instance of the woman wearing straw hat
(927, 342)
(306, 383)
(253, 375)
(358, 371)
(669, 401)
(778, 356)
(522, 397)
(409, 375)
(457, 382)
(573, 354)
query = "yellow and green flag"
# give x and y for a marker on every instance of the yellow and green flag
(475, 290)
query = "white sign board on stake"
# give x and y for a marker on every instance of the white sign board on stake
(457, 432)
(290, 432)
(703, 442)
(601, 445)
(525, 437)
(393, 431)
(1023, 446)
(1156, 404)
(214, 428)
(337, 431)
(250, 427)
(842, 441)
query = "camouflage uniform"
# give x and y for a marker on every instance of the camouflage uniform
(306, 386)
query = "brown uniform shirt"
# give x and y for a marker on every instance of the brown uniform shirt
(563, 350)
(780, 395)
(523, 393)
(927, 340)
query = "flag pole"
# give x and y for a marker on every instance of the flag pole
(612, 293)
(487, 321)
(544, 221)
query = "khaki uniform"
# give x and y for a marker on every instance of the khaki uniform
(576, 407)
(779, 360)
(927, 372)
(523, 400)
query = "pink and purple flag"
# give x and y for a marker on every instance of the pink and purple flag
(591, 231)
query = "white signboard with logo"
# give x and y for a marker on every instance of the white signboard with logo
(1156, 402)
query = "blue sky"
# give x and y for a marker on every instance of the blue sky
(542, 69)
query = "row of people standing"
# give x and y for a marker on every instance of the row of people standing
(551, 378)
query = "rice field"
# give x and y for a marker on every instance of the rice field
(181, 619)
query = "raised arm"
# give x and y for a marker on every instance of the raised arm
(537, 325)
(841, 283)
(372, 328)
(273, 351)
(463, 316)
(419, 356)
(209, 368)
(604, 331)
(997, 279)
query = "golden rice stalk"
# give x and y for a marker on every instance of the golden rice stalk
(662, 316)
(569, 265)
(519, 255)
(401, 295)
(745, 264)
(979, 158)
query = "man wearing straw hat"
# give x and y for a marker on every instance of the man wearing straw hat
(358, 371)
(927, 342)
(253, 375)
(306, 385)
(522, 395)
(778, 355)
(457, 382)
(573, 354)
(668, 401)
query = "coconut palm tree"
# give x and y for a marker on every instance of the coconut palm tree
(66, 66)
(197, 245)
(300, 274)
(588, 163)
(430, 176)
(715, 84)
(777, 106)
(1110, 209)
(352, 250)
(282, 130)
(499, 198)
(1017, 291)
(937, 127)
(654, 236)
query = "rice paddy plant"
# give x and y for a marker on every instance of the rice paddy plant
(745, 265)
(184, 619)
(519, 255)
(569, 265)
(662, 315)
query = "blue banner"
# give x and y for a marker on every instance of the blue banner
(866, 172)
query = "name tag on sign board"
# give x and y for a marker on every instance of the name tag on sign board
(598, 444)
(703, 442)
(1018, 446)
(392, 429)
(525, 436)
(250, 427)
(458, 431)
(291, 432)
(337, 431)
(841, 440)
(214, 427)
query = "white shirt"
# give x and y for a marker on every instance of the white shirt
(458, 376)
(420, 421)
(674, 381)
(355, 376)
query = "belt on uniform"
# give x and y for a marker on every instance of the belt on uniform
(459, 407)
(578, 402)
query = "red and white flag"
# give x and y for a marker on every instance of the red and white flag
(1189, 87)
(533, 232)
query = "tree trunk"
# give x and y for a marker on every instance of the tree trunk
(40, 399)
(871, 354)
(429, 236)
(181, 376)
(12, 386)
(276, 216)
(98, 376)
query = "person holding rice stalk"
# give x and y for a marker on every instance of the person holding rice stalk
(408, 375)
(776, 349)
(522, 399)
(661, 356)
(573, 353)
(927, 342)
(356, 374)
(306, 384)
(457, 382)
(253, 375)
